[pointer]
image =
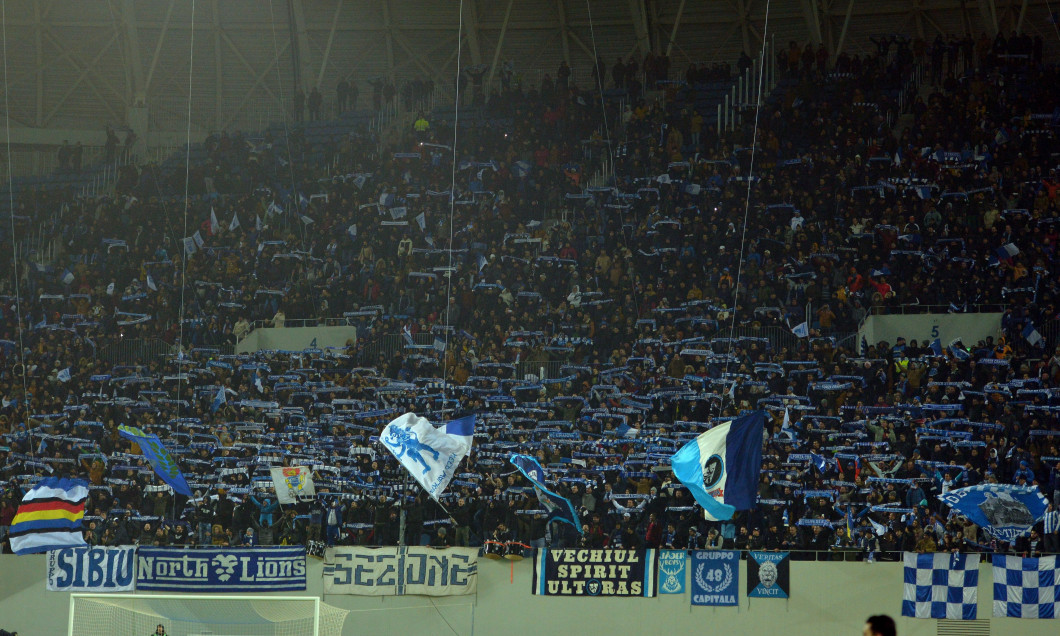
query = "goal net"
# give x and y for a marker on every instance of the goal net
(202, 615)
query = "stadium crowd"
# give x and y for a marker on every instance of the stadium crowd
(659, 290)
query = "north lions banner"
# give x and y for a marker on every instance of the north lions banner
(671, 571)
(715, 577)
(92, 569)
(768, 575)
(594, 573)
(278, 569)
(398, 571)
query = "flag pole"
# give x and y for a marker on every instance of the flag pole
(401, 508)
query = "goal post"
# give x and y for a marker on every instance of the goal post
(202, 615)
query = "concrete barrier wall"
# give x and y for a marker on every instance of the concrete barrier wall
(924, 328)
(826, 598)
(296, 338)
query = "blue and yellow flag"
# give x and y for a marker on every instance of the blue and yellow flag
(164, 463)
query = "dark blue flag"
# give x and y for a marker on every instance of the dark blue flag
(560, 508)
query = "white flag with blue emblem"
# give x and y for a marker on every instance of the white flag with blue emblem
(234, 223)
(292, 483)
(431, 455)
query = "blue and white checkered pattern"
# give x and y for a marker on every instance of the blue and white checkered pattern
(941, 585)
(1025, 588)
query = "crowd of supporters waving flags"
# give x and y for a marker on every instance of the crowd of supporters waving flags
(592, 330)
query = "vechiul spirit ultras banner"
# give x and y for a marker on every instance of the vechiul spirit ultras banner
(595, 573)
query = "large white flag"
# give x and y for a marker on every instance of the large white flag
(431, 455)
(292, 483)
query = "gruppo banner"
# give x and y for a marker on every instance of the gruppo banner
(595, 573)
(399, 571)
(92, 569)
(274, 569)
(715, 577)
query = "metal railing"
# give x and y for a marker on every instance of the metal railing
(877, 310)
(116, 350)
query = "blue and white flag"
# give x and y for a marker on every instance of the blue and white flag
(1008, 250)
(234, 224)
(1031, 335)
(1025, 588)
(559, 508)
(431, 455)
(1003, 511)
(957, 350)
(64, 375)
(941, 585)
(801, 330)
(218, 400)
(421, 220)
(936, 347)
(722, 466)
(672, 566)
(819, 462)
(151, 283)
(407, 335)
(257, 223)
(68, 277)
(214, 225)
(164, 463)
(352, 231)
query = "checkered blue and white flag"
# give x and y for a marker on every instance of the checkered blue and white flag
(1025, 588)
(941, 585)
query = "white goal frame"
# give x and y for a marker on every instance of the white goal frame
(196, 597)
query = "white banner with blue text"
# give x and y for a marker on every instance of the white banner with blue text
(399, 571)
(92, 569)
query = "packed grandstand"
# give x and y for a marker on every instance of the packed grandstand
(602, 277)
